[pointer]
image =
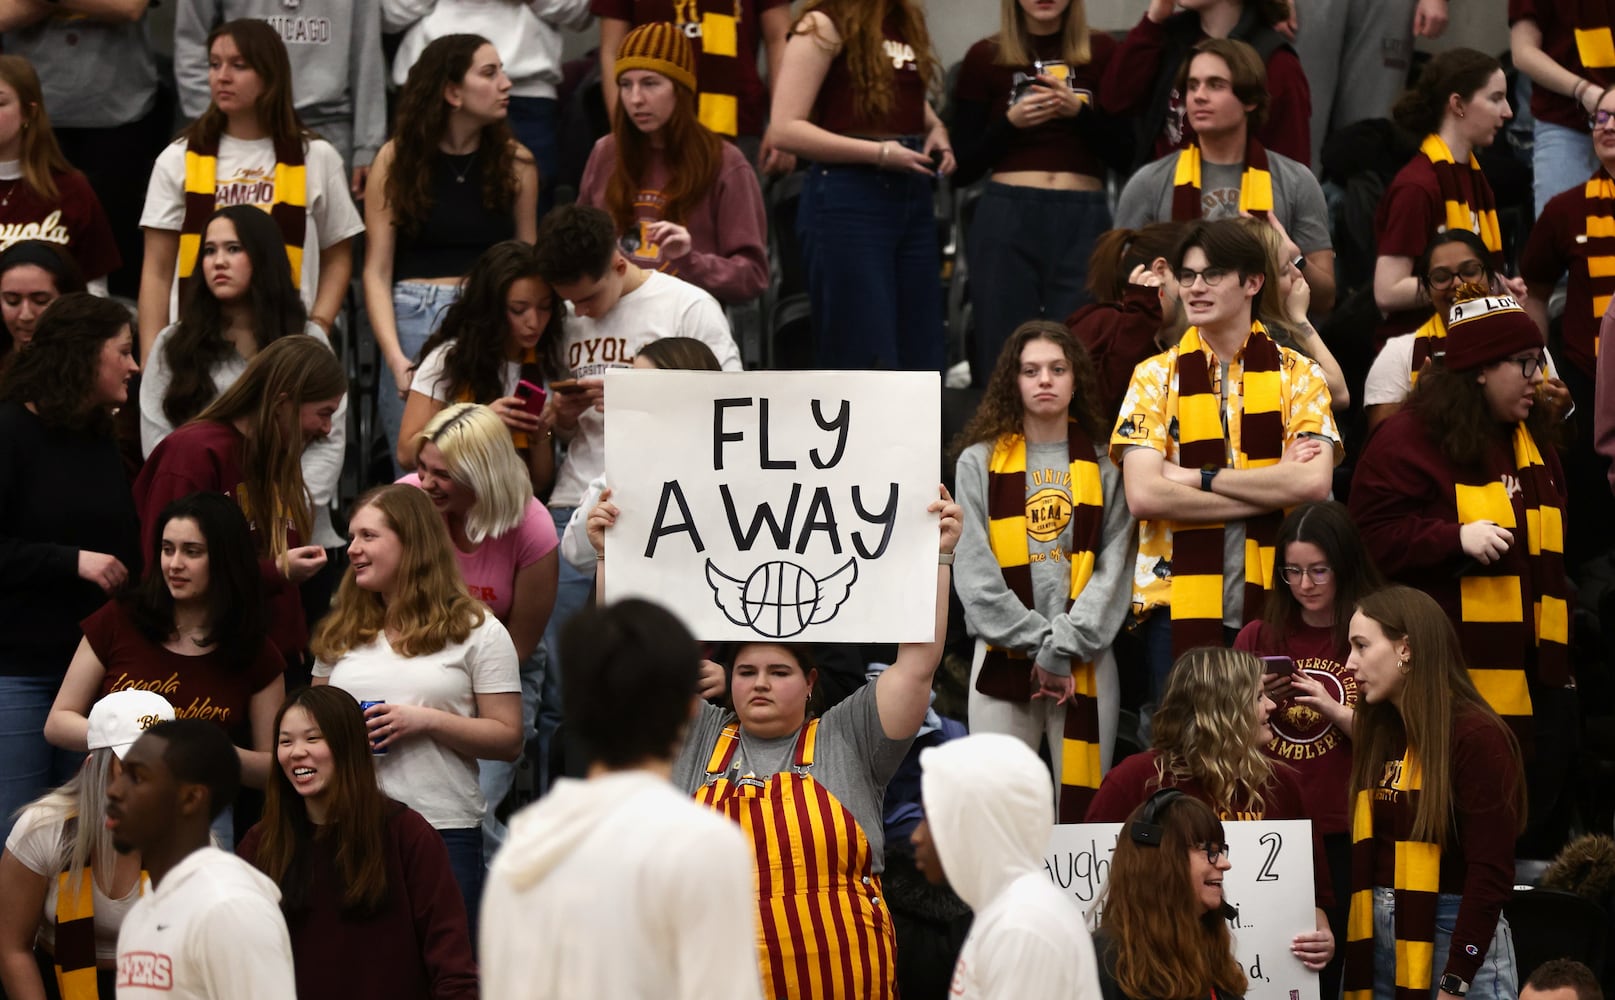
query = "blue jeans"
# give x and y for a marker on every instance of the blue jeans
(1497, 979)
(1028, 257)
(29, 767)
(418, 308)
(465, 863)
(497, 776)
(573, 592)
(1561, 158)
(874, 271)
(533, 120)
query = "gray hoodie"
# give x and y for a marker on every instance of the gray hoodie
(621, 887)
(989, 803)
(338, 72)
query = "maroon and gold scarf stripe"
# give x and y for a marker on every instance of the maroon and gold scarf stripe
(1255, 184)
(1479, 216)
(1599, 195)
(1197, 549)
(1006, 673)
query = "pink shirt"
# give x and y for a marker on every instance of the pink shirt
(490, 570)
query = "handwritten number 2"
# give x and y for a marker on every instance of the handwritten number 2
(1274, 843)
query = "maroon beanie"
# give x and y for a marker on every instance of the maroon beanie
(1485, 331)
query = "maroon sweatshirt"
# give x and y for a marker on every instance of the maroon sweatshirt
(1478, 861)
(205, 457)
(1118, 336)
(416, 948)
(728, 255)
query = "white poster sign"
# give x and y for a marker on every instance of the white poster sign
(1270, 883)
(784, 506)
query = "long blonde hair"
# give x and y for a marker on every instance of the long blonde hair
(481, 456)
(80, 805)
(282, 377)
(1205, 728)
(1015, 42)
(432, 610)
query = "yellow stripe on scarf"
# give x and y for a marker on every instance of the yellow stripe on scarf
(1595, 47)
(201, 177)
(1460, 215)
(291, 188)
(1255, 184)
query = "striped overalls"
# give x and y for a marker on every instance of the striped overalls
(824, 931)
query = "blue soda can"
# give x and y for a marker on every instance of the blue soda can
(365, 706)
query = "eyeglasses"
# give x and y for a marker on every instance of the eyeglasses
(1442, 277)
(1529, 365)
(1214, 852)
(1601, 119)
(1317, 574)
(1214, 276)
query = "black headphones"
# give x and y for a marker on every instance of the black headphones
(1146, 830)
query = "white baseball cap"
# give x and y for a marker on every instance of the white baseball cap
(117, 720)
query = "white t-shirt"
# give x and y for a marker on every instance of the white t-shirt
(212, 930)
(431, 382)
(664, 306)
(593, 861)
(246, 176)
(322, 460)
(435, 781)
(1390, 377)
(36, 841)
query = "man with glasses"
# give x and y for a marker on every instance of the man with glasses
(1216, 437)
(1226, 172)
(1574, 241)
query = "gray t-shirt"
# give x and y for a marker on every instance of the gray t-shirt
(853, 761)
(1297, 198)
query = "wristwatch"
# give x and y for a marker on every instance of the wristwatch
(1207, 474)
(1450, 983)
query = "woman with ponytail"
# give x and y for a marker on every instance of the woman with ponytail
(1134, 314)
(1457, 105)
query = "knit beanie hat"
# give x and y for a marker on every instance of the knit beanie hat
(1485, 331)
(661, 48)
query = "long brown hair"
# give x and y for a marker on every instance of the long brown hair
(281, 378)
(356, 818)
(1002, 411)
(1205, 728)
(434, 610)
(37, 148)
(261, 48)
(58, 371)
(860, 24)
(1015, 42)
(1437, 691)
(1422, 107)
(1166, 944)
(419, 124)
(1453, 409)
(693, 153)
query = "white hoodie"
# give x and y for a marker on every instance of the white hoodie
(211, 930)
(620, 887)
(989, 803)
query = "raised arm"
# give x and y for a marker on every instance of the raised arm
(903, 691)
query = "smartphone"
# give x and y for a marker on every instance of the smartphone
(567, 387)
(532, 397)
(1282, 665)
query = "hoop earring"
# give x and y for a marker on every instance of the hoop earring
(1404, 665)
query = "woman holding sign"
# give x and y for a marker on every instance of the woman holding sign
(1210, 729)
(1163, 933)
(809, 792)
(1045, 597)
(1438, 798)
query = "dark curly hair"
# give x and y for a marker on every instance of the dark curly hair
(197, 343)
(57, 372)
(575, 242)
(1001, 410)
(478, 332)
(1452, 406)
(419, 124)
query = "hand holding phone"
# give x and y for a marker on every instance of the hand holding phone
(532, 397)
